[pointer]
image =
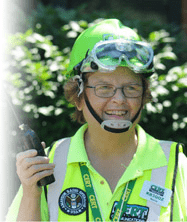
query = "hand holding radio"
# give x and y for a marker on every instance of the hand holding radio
(32, 141)
(33, 171)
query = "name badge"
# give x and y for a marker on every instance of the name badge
(155, 193)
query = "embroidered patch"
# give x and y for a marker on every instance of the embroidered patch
(73, 201)
(132, 212)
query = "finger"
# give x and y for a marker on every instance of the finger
(28, 162)
(43, 144)
(34, 169)
(38, 176)
(38, 168)
(26, 154)
(26, 170)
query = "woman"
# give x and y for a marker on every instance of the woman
(115, 171)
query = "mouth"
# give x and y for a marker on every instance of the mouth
(116, 113)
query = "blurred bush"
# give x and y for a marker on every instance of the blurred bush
(38, 58)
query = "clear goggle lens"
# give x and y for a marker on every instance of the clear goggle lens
(107, 55)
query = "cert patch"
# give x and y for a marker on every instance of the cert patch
(132, 212)
(73, 201)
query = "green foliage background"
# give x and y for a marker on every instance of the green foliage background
(36, 71)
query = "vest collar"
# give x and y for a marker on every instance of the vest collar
(149, 154)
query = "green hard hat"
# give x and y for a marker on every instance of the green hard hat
(108, 29)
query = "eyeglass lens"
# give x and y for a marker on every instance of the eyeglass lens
(131, 91)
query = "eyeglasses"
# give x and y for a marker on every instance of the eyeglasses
(107, 90)
(107, 55)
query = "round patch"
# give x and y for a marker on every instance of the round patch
(73, 201)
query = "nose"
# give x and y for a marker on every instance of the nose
(119, 96)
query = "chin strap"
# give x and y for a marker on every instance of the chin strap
(113, 126)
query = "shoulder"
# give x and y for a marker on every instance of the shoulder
(181, 176)
(61, 143)
(182, 162)
(176, 149)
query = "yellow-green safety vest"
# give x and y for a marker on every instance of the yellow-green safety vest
(58, 155)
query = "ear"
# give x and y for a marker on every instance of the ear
(80, 104)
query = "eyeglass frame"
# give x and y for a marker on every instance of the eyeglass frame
(115, 89)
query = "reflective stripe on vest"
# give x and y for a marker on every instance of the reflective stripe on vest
(60, 160)
(154, 209)
(60, 151)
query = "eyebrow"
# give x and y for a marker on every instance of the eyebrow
(109, 83)
(103, 80)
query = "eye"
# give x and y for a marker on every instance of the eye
(104, 90)
(133, 87)
(104, 87)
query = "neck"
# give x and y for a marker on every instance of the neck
(104, 144)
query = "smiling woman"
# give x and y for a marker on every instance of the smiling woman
(111, 169)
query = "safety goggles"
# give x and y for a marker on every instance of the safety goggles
(107, 55)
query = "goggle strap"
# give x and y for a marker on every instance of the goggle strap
(77, 68)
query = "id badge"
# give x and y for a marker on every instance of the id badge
(155, 193)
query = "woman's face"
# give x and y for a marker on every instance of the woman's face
(118, 106)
